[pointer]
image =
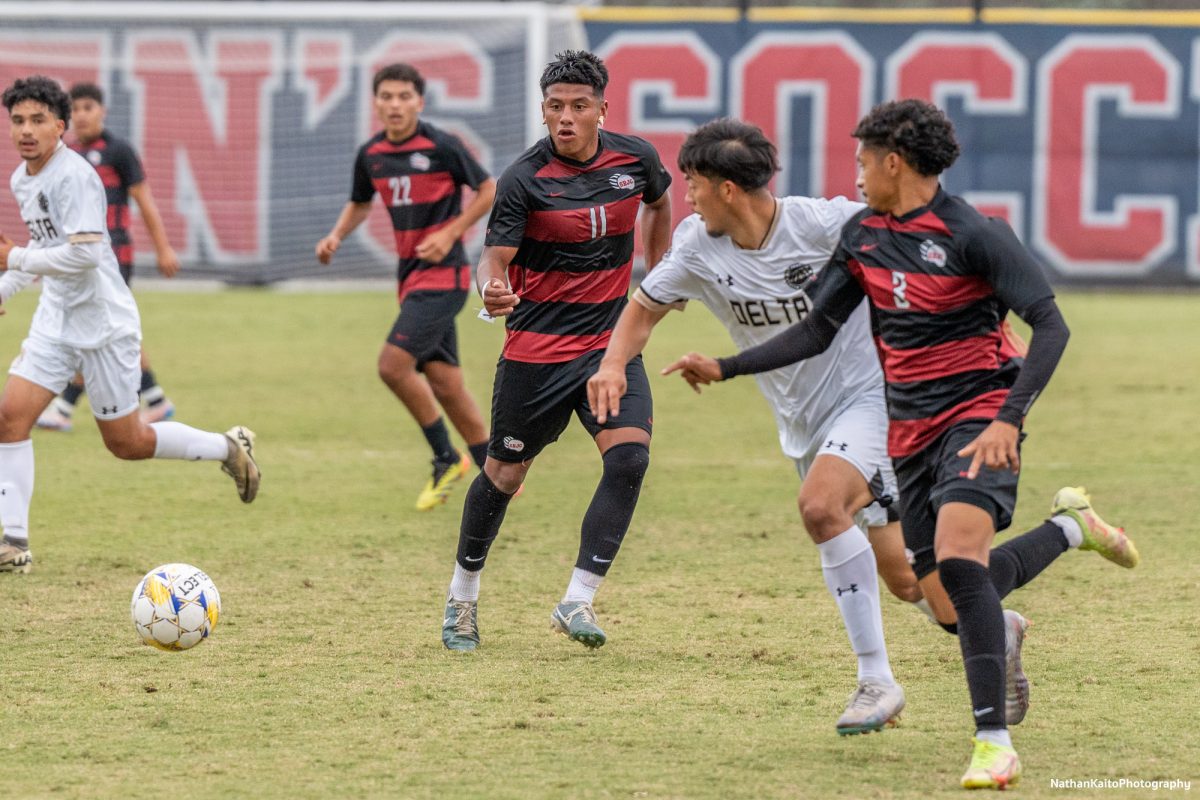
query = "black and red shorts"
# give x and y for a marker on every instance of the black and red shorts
(532, 404)
(938, 475)
(425, 327)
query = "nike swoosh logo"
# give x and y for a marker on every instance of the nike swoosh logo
(473, 560)
(867, 247)
(983, 711)
(555, 194)
(602, 560)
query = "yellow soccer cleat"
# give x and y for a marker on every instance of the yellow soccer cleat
(993, 766)
(1107, 540)
(444, 476)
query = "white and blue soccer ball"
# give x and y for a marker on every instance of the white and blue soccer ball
(175, 607)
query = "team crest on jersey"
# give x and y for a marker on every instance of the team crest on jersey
(797, 275)
(94, 157)
(933, 253)
(621, 181)
(43, 203)
(419, 162)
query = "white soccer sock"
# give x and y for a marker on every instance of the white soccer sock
(1070, 528)
(995, 736)
(16, 488)
(849, 567)
(923, 605)
(176, 440)
(465, 583)
(583, 586)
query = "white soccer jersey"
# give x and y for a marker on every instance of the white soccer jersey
(80, 306)
(758, 293)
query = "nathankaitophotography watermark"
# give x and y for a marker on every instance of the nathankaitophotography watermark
(1122, 783)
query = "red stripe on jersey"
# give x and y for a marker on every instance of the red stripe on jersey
(577, 287)
(423, 187)
(415, 143)
(407, 241)
(583, 224)
(938, 361)
(917, 291)
(926, 223)
(908, 436)
(435, 279)
(108, 176)
(549, 348)
(609, 158)
(124, 254)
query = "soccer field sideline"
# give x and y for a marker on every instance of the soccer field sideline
(727, 666)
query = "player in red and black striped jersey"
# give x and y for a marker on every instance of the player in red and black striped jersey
(940, 279)
(419, 173)
(557, 262)
(121, 172)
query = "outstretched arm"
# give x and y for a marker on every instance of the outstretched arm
(606, 388)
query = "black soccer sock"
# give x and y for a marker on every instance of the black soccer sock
(479, 452)
(1020, 559)
(483, 512)
(950, 627)
(72, 393)
(150, 391)
(981, 636)
(439, 441)
(607, 518)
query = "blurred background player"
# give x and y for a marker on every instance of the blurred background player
(748, 256)
(121, 173)
(86, 320)
(419, 172)
(940, 278)
(557, 262)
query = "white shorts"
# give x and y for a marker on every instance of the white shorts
(112, 372)
(858, 434)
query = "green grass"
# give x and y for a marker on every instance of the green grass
(726, 664)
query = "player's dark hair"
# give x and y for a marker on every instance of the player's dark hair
(920, 132)
(40, 89)
(730, 150)
(87, 91)
(576, 66)
(399, 72)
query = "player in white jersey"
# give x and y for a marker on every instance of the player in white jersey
(747, 256)
(86, 320)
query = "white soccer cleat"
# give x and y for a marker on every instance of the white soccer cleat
(159, 412)
(14, 558)
(54, 420)
(872, 707)
(1016, 685)
(240, 465)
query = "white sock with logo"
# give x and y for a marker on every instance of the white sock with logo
(179, 441)
(583, 586)
(465, 583)
(16, 489)
(848, 563)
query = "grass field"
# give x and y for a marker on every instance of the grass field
(726, 664)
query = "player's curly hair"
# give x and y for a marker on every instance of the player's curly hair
(576, 66)
(399, 72)
(86, 91)
(730, 150)
(920, 132)
(42, 90)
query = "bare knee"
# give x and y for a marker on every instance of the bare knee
(823, 518)
(130, 449)
(395, 369)
(905, 587)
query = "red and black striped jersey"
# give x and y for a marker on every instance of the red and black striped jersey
(940, 281)
(572, 223)
(420, 181)
(119, 167)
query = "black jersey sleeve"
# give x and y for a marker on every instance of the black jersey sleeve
(658, 180)
(835, 292)
(128, 165)
(1013, 273)
(363, 189)
(463, 167)
(1046, 347)
(510, 210)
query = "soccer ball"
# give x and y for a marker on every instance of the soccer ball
(175, 607)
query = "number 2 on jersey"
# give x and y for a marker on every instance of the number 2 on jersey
(899, 287)
(401, 190)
